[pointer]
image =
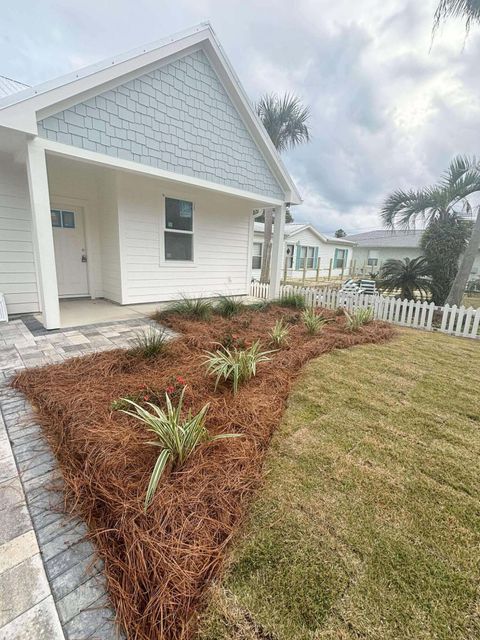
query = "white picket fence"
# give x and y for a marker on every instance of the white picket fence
(457, 321)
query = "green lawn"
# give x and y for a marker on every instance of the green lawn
(368, 526)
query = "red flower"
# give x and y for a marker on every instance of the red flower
(145, 397)
(170, 389)
(181, 380)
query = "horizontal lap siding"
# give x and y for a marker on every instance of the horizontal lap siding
(221, 238)
(18, 279)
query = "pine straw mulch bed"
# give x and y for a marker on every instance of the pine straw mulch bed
(158, 565)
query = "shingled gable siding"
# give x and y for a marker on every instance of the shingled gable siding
(178, 118)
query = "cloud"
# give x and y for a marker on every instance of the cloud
(389, 108)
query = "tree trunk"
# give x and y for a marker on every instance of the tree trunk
(267, 246)
(457, 291)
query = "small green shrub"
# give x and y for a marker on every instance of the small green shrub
(228, 306)
(236, 365)
(261, 305)
(177, 436)
(358, 318)
(279, 334)
(195, 308)
(314, 322)
(292, 299)
(150, 342)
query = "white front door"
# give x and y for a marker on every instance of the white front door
(70, 252)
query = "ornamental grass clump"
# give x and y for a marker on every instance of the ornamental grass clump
(235, 365)
(193, 308)
(314, 322)
(358, 318)
(177, 435)
(292, 299)
(150, 342)
(279, 333)
(228, 306)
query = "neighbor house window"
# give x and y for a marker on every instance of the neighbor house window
(307, 254)
(290, 250)
(372, 262)
(340, 259)
(257, 255)
(178, 229)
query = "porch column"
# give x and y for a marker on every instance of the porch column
(42, 234)
(277, 257)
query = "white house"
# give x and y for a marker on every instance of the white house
(372, 248)
(135, 180)
(304, 246)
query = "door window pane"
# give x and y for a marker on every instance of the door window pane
(68, 220)
(56, 218)
(178, 246)
(178, 214)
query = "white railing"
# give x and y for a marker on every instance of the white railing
(457, 321)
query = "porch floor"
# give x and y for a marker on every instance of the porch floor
(81, 312)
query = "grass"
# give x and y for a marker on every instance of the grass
(150, 342)
(228, 306)
(292, 300)
(472, 300)
(193, 308)
(369, 524)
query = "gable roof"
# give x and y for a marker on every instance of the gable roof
(292, 228)
(22, 110)
(9, 86)
(409, 238)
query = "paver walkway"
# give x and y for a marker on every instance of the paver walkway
(50, 586)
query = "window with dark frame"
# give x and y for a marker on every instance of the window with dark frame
(178, 234)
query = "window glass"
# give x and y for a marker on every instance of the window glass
(372, 262)
(339, 258)
(178, 214)
(257, 255)
(290, 249)
(310, 255)
(68, 220)
(178, 246)
(56, 218)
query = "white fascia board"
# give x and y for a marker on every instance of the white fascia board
(22, 110)
(92, 157)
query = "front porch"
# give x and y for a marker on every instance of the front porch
(102, 231)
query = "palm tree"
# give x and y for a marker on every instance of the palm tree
(285, 119)
(440, 207)
(406, 276)
(468, 9)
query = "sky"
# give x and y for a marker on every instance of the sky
(389, 109)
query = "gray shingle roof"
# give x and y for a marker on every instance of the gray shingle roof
(9, 86)
(386, 238)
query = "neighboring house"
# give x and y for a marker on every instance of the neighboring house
(304, 246)
(374, 247)
(135, 180)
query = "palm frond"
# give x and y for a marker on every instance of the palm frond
(285, 118)
(467, 9)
